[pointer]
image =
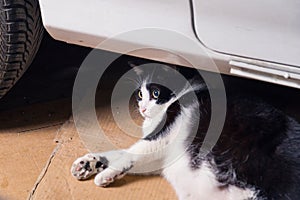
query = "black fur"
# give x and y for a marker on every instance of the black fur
(169, 118)
(258, 147)
(165, 93)
(102, 163)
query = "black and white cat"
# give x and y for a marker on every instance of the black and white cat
(255, 157)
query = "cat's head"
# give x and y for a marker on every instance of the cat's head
(153, 99)
(157, 87)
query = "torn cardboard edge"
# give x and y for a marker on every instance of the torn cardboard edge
(59, 141)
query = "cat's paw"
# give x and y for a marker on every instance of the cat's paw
(88, 165)
(108, 176)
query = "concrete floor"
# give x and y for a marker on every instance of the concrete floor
(39, 140)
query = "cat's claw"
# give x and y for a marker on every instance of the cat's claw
(88, 165)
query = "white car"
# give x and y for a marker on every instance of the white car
(257, 39)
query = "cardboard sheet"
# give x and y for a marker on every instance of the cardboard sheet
(39, 144)
(58, 183)
(22, 158)
(27, 140)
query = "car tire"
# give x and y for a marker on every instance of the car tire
(21, 33)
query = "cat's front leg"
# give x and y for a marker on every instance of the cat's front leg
(116, 170)
(142, 158)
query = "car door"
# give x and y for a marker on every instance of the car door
(266, 30)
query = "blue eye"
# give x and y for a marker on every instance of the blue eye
(155, 93)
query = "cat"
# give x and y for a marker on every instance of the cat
(255, 157)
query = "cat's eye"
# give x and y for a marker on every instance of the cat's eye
(140, 94)
(155, 93)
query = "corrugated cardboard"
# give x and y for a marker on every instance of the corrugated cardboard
(38, 146)
(27, 140)
(22, 158)
(58, 183)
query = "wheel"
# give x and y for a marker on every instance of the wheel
(21, 33)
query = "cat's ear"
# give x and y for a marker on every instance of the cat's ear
(136, 68)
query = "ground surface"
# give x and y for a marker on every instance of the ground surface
(39, 140)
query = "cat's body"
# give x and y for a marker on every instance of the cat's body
(255, 157)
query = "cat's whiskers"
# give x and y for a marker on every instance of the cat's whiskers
(135, 82)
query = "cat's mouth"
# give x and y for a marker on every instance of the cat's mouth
(145, 115)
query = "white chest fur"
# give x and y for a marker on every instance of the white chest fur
(189, 184)
(200, 184)
(193, 184)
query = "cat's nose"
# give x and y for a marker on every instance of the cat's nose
(143, 110)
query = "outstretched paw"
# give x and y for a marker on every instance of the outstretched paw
(108, 176)
(88, 165)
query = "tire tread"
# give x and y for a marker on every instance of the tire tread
(21, 32)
